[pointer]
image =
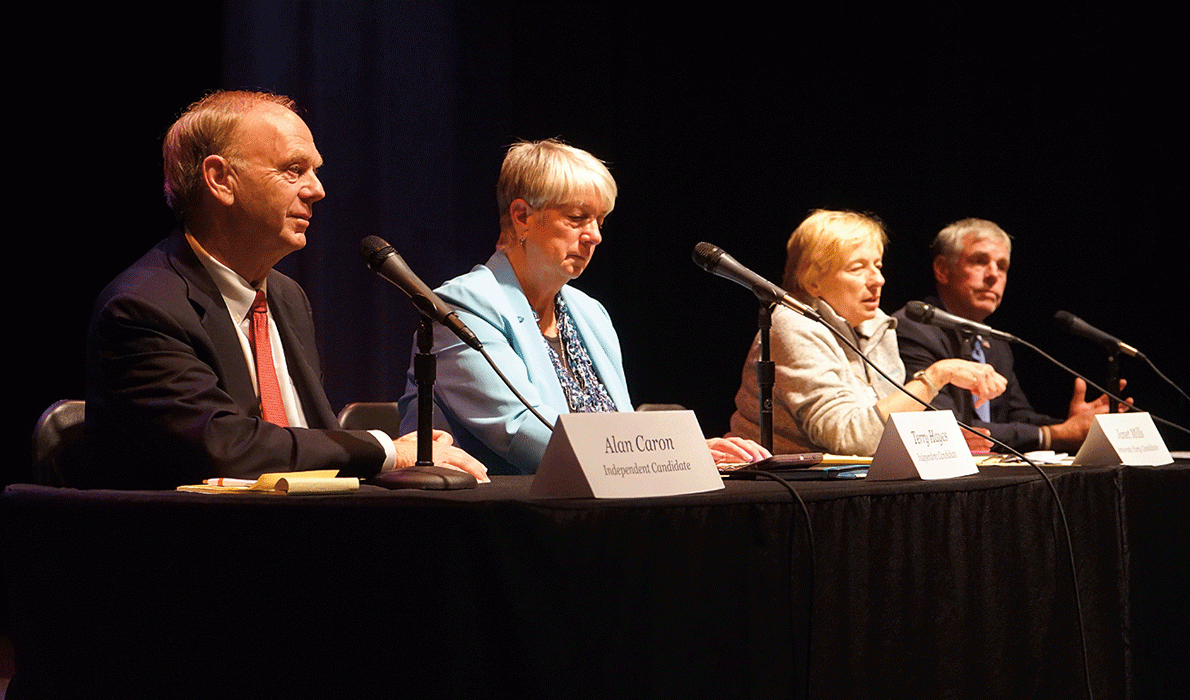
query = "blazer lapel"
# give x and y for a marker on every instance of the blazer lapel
(213, 315)
(532, 346)
(597, 349)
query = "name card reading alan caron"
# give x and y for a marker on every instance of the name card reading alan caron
(649, 461)
(625, 455)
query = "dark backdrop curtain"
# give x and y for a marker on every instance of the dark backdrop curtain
(724, 124)
(406, 104)
(727, 127)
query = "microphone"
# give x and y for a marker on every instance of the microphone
(926, 313)
(712, 259)
(382, 258)
(1076, 326)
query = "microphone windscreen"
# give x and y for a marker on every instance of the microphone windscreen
(373, 250)
(919, 311)
(707, 256)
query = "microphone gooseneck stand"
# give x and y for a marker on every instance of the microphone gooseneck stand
(766, 376)
(1113, 379)
(1076, 326)
(425, 369)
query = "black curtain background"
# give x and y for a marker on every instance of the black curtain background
(721, 122)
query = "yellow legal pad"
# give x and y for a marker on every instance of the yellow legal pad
(323, 481)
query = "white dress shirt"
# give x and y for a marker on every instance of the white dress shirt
(238, 295)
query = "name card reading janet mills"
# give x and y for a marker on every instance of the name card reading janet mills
(1123, 438)
(626, 455)
(925, 444)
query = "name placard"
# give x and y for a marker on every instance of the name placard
(626, 455)
(1123, 438)
(923, 444)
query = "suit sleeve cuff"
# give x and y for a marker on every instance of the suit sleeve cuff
(390, 450)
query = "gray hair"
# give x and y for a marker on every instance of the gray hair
(550, 172)
(950, 240)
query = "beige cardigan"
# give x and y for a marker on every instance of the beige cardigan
(824, 399)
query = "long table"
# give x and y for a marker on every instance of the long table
(947, 589)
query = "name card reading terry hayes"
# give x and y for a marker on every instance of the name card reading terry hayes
(626, 455)
(925, 444)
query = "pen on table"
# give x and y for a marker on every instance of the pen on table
(227, 481)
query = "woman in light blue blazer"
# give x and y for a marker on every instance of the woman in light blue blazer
(554, 343)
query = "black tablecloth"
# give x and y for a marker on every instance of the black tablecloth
(949, 589)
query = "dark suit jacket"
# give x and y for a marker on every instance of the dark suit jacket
(1013, 419)
(169, 397)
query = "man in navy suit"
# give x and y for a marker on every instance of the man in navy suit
(179, 382)
(971, 260)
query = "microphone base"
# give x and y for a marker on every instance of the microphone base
(425, 477)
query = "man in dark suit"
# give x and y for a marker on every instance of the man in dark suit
(201, 357)
(971, 260)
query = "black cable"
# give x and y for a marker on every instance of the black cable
(511, 388)
(812, 569)
(1159, 373)
(1053, 490)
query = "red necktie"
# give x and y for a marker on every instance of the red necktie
(271, 406)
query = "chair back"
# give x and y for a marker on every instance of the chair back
(372, 416)
(58, 442)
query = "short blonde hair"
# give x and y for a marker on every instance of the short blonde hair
(550, 172)
(821, 244)
(206, 128)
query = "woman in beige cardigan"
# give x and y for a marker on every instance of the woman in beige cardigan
(827, 399)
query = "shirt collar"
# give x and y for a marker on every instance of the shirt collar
(236, 291)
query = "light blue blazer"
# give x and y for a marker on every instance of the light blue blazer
(472, 403)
